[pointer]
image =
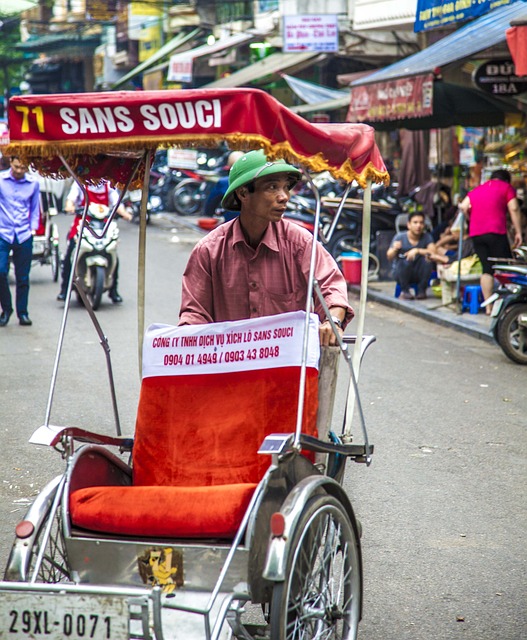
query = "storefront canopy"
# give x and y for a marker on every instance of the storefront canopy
(481, 34)
(450, 105)
(274, 63)
(184, 57)
(311, 92)
(175, 43)
(317, 96)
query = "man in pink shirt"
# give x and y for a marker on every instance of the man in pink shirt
(258, 264)
(486, 208)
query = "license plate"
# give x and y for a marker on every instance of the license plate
(135, 195)
(59, 616)
(496, 307)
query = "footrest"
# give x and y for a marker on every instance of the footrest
(350, 450)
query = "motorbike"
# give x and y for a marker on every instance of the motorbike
(97, 259)
(509, 306)
(154, 204)
(346, 234)
(191, 194)
(184, 190)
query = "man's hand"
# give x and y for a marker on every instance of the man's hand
(327, 337)
(412, 254)
(69, 207)
(394, 249)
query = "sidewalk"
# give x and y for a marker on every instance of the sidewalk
(431, 309)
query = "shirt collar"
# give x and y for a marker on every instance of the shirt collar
(270, 237)
(10, 176)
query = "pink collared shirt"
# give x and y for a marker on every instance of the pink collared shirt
(226, 279)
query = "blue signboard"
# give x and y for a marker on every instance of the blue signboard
(433, 14)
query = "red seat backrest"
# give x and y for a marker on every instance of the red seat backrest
(204, 429)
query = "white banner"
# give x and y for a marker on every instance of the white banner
(311, 33)
(224, 347)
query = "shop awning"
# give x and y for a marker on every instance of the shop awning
(184, 59)
(443, 105)
(166, 49)
(317, 96)
(67, 43)
(481, 34)
(325, 105)
(311, 92)
(274, 63)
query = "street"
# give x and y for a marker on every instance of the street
(442, 504)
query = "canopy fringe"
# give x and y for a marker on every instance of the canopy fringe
(83, 155)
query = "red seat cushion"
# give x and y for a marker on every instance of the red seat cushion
(178, 512)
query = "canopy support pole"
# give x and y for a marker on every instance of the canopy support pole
(141, 263)
(365, 259)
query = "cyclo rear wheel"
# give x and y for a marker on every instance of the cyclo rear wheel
(321, 595)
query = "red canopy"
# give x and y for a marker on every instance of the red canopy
(98, 133)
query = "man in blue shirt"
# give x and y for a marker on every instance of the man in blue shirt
(19, 218)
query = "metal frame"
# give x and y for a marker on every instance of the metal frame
(229, 555)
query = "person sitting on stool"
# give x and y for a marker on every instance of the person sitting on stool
(413, 253)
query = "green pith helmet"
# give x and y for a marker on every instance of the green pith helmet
(249, 167)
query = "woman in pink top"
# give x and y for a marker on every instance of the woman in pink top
(486, 209)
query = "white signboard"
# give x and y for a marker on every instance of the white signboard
(223, 347)
(180, 69)
(311, 33)
(182, 158)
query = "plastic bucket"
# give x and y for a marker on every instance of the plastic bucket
(351, 267)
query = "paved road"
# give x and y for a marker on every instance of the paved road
(442, 505)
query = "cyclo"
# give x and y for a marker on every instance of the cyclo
(247, 507)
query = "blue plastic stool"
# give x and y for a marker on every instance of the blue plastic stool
(398, 288)
(472, 298)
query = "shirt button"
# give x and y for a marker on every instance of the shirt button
(253, 285)
(253, 309)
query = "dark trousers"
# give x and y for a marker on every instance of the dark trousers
(409, 272)
(66, 268)
(22, 256)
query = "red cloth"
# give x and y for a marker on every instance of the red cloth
(79, 126)
(517, 43)
(96, 194)
(251, 283)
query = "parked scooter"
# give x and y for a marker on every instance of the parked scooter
(154, 203)
(97, 259)
(191, 194)
(509, 310)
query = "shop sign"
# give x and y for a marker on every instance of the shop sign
(179, 69)
(499, 78)
(410, 97)
(311, 33)
(433, 14)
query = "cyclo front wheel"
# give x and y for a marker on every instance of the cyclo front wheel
(321, 595)
(41, 557)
